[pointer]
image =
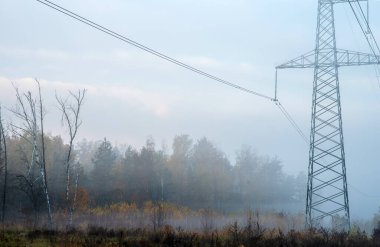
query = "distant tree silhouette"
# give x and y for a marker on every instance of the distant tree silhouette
(103, 160)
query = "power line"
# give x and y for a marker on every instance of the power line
(377, 70)
(374, 41)
(299, 131)
(291, 121)
(361, 192)
(172, 60)
(369, 31)
(366, 34)
(285, 112)
(169, 59)
(375, 67)
(205, 74)
(147, 49)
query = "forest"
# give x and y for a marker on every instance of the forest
(94, 186)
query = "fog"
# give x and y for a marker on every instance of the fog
(141, 106)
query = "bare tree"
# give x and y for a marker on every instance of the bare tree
(70, 118)
(29, 111)
(77, 169)
(4, 161)
(158, 215)
(43, 164)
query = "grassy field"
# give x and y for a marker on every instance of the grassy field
(232, 235)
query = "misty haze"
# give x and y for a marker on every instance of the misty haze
(189, 123)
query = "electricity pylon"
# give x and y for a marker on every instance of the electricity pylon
(327, 194)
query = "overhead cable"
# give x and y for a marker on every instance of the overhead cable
(147, 49)
(291, 121)
(369, 31)
(363, 193)
(170, 59)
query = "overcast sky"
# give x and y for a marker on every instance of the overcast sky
(133, 95)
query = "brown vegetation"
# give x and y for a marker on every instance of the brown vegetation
(232, 235)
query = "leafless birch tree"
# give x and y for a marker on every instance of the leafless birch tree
(71, 108)
(4, 166)
(30, 113)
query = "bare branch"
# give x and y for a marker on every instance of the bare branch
(70, 118)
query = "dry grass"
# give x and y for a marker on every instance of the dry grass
(232, 235)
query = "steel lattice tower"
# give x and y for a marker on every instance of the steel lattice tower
(327, 195)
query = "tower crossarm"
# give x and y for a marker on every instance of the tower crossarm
(306, 60)
(353, 58)
(341, 1)
(344, 58)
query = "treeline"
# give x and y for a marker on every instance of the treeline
(195, 174)
(41, 174)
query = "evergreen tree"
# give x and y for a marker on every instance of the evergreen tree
(103, 160)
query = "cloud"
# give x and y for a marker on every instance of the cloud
(42, 54)
(159, 104)
(202, 61)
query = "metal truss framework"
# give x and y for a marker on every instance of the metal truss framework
(327, 194)
(344, 58)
